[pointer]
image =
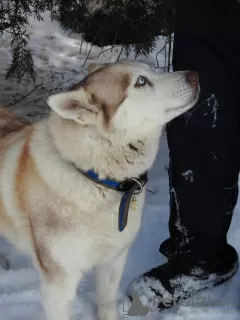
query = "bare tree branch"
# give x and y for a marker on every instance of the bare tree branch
(24, 97)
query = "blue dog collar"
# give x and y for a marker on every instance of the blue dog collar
(129, 188)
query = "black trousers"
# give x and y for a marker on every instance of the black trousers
(204, 143)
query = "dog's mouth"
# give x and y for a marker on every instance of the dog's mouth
(174, 109)
(185, 107)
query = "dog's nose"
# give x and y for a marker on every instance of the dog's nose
(192, 78)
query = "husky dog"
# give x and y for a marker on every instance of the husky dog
(60, 179)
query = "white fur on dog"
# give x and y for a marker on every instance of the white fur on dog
(66, 222)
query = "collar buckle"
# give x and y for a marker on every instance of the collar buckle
(140, 185)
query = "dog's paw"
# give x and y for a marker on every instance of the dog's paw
(4, 263)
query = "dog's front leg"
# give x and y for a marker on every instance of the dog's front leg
(58, 295)
(108, 278)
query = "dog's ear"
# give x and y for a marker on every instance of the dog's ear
(76, 105)
(95, 66)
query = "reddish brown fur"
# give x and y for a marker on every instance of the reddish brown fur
(10, 123)
(115, 86)
(25, 169)
(5, 222)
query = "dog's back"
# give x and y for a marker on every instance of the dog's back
(12, 132)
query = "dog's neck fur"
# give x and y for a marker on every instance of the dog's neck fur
(86, 149)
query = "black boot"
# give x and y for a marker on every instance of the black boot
(204, 149)
(175, 281)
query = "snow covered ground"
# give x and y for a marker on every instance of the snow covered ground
(58, 65)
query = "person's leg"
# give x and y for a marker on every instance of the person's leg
(204, 143)
(204, 158)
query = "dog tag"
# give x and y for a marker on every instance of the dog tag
(134, 204)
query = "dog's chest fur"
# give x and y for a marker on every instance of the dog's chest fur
(87, 232)
(58, 211)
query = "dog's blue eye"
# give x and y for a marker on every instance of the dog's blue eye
(141, 81)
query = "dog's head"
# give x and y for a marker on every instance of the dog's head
(127, 99)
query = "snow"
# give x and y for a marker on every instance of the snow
(58, 65)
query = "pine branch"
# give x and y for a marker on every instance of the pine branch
(22, 63)
(14, 18)
(133, 24)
